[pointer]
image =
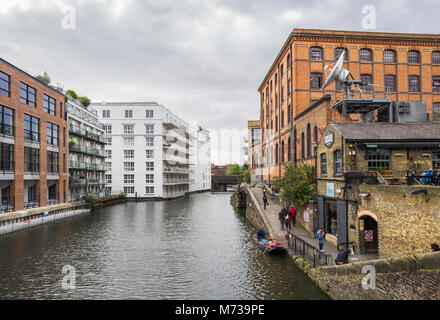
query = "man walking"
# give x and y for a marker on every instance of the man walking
(265, 201)
(288, 220)
(292, 212)
(281, 216)
(320, 237)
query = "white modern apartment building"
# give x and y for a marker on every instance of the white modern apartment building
(148, 150)
(200, 158)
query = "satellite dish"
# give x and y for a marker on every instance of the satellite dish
(338, 73)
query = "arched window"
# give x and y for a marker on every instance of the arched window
(436, 57)
(289, 149)
(295, 144)
(288, 63)
(271, 155)
(338, 52)
(315, 135)
(282, 151)
(315, 53)
(365, 55)
(389, 56)
(282, 70)
(414, 57)
(276, 153)
(309, 141)
(303, 153)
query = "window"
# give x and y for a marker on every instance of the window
(149, 113)
(6, 121)
(108, 190)
(128, 129)
(436, 160)
(323, 164)
(49, 105)
(106, 113)
(338, 162)
(149, 178)
(436, 57)
(108, 177)
(338, 52)
(389, 56)
(315, 53)
(52, 162)
(128, 190)
(108, 128)
(128, 166)
(303, 147)
(149, 141)
(288, 62)
(413, 84)
(31, 128)
(282, 151)
(309, 141)
(149, 154)
(367, 80)
(27, 95)
(436, 84)
(129, 141)
(128, 154)
(390, 83)
(108, 166)
(149, 190)
(108, 153)
(315, 141)
(129, 178)
(378, 159)
(5, 83)
(6, 157)
(289, 149)
(149, 128)
(413, 57)
(365, 55)
(149, 166)
(52, 134)
(129, 113)
(31, 160)
(315, 80)
(436, 111)
(108, 141)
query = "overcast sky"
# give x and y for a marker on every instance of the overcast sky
(203, 59)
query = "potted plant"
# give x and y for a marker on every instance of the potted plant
(418, 163)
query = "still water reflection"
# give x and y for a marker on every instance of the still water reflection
(194, 248)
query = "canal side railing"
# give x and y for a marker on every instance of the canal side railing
(308, 252)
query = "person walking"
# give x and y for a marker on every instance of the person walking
(281, 216)
(265, 201)
(292, 212)
(320, 237)
(288, 220)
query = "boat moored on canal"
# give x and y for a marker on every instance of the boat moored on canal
(269, 245)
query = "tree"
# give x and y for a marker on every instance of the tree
(44, 78)
(247, 176)
(234, 169)
(84, 101)
(72, 94)
(298, 184)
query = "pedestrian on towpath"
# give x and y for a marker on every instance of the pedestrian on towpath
(292, 212)
(265, 201)
(320, 237)
(281, 216)
(288, 221)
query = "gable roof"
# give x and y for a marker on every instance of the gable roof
(384, 131)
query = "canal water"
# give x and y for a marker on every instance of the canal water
(193, 248)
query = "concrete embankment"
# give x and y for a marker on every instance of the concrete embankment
(24, 219)
(408, 277)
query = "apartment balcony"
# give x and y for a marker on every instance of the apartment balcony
(176, 170)
(78, 182)
(77, 165)
(83, 149)
(86, 134)
(175, 181)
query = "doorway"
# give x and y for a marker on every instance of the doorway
(368, 235)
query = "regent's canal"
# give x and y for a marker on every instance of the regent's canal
(193, 248)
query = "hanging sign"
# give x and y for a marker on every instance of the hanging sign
(368, 235)
(361, 225)
(329, 139)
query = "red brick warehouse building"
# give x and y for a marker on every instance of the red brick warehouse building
(294, 110)
(33, 146)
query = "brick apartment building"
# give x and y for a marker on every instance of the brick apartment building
(294, 111)
(33, 134)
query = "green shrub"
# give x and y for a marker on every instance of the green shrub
(90, 200)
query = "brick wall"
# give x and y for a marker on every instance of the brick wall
(405, 278)
(407, 224)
